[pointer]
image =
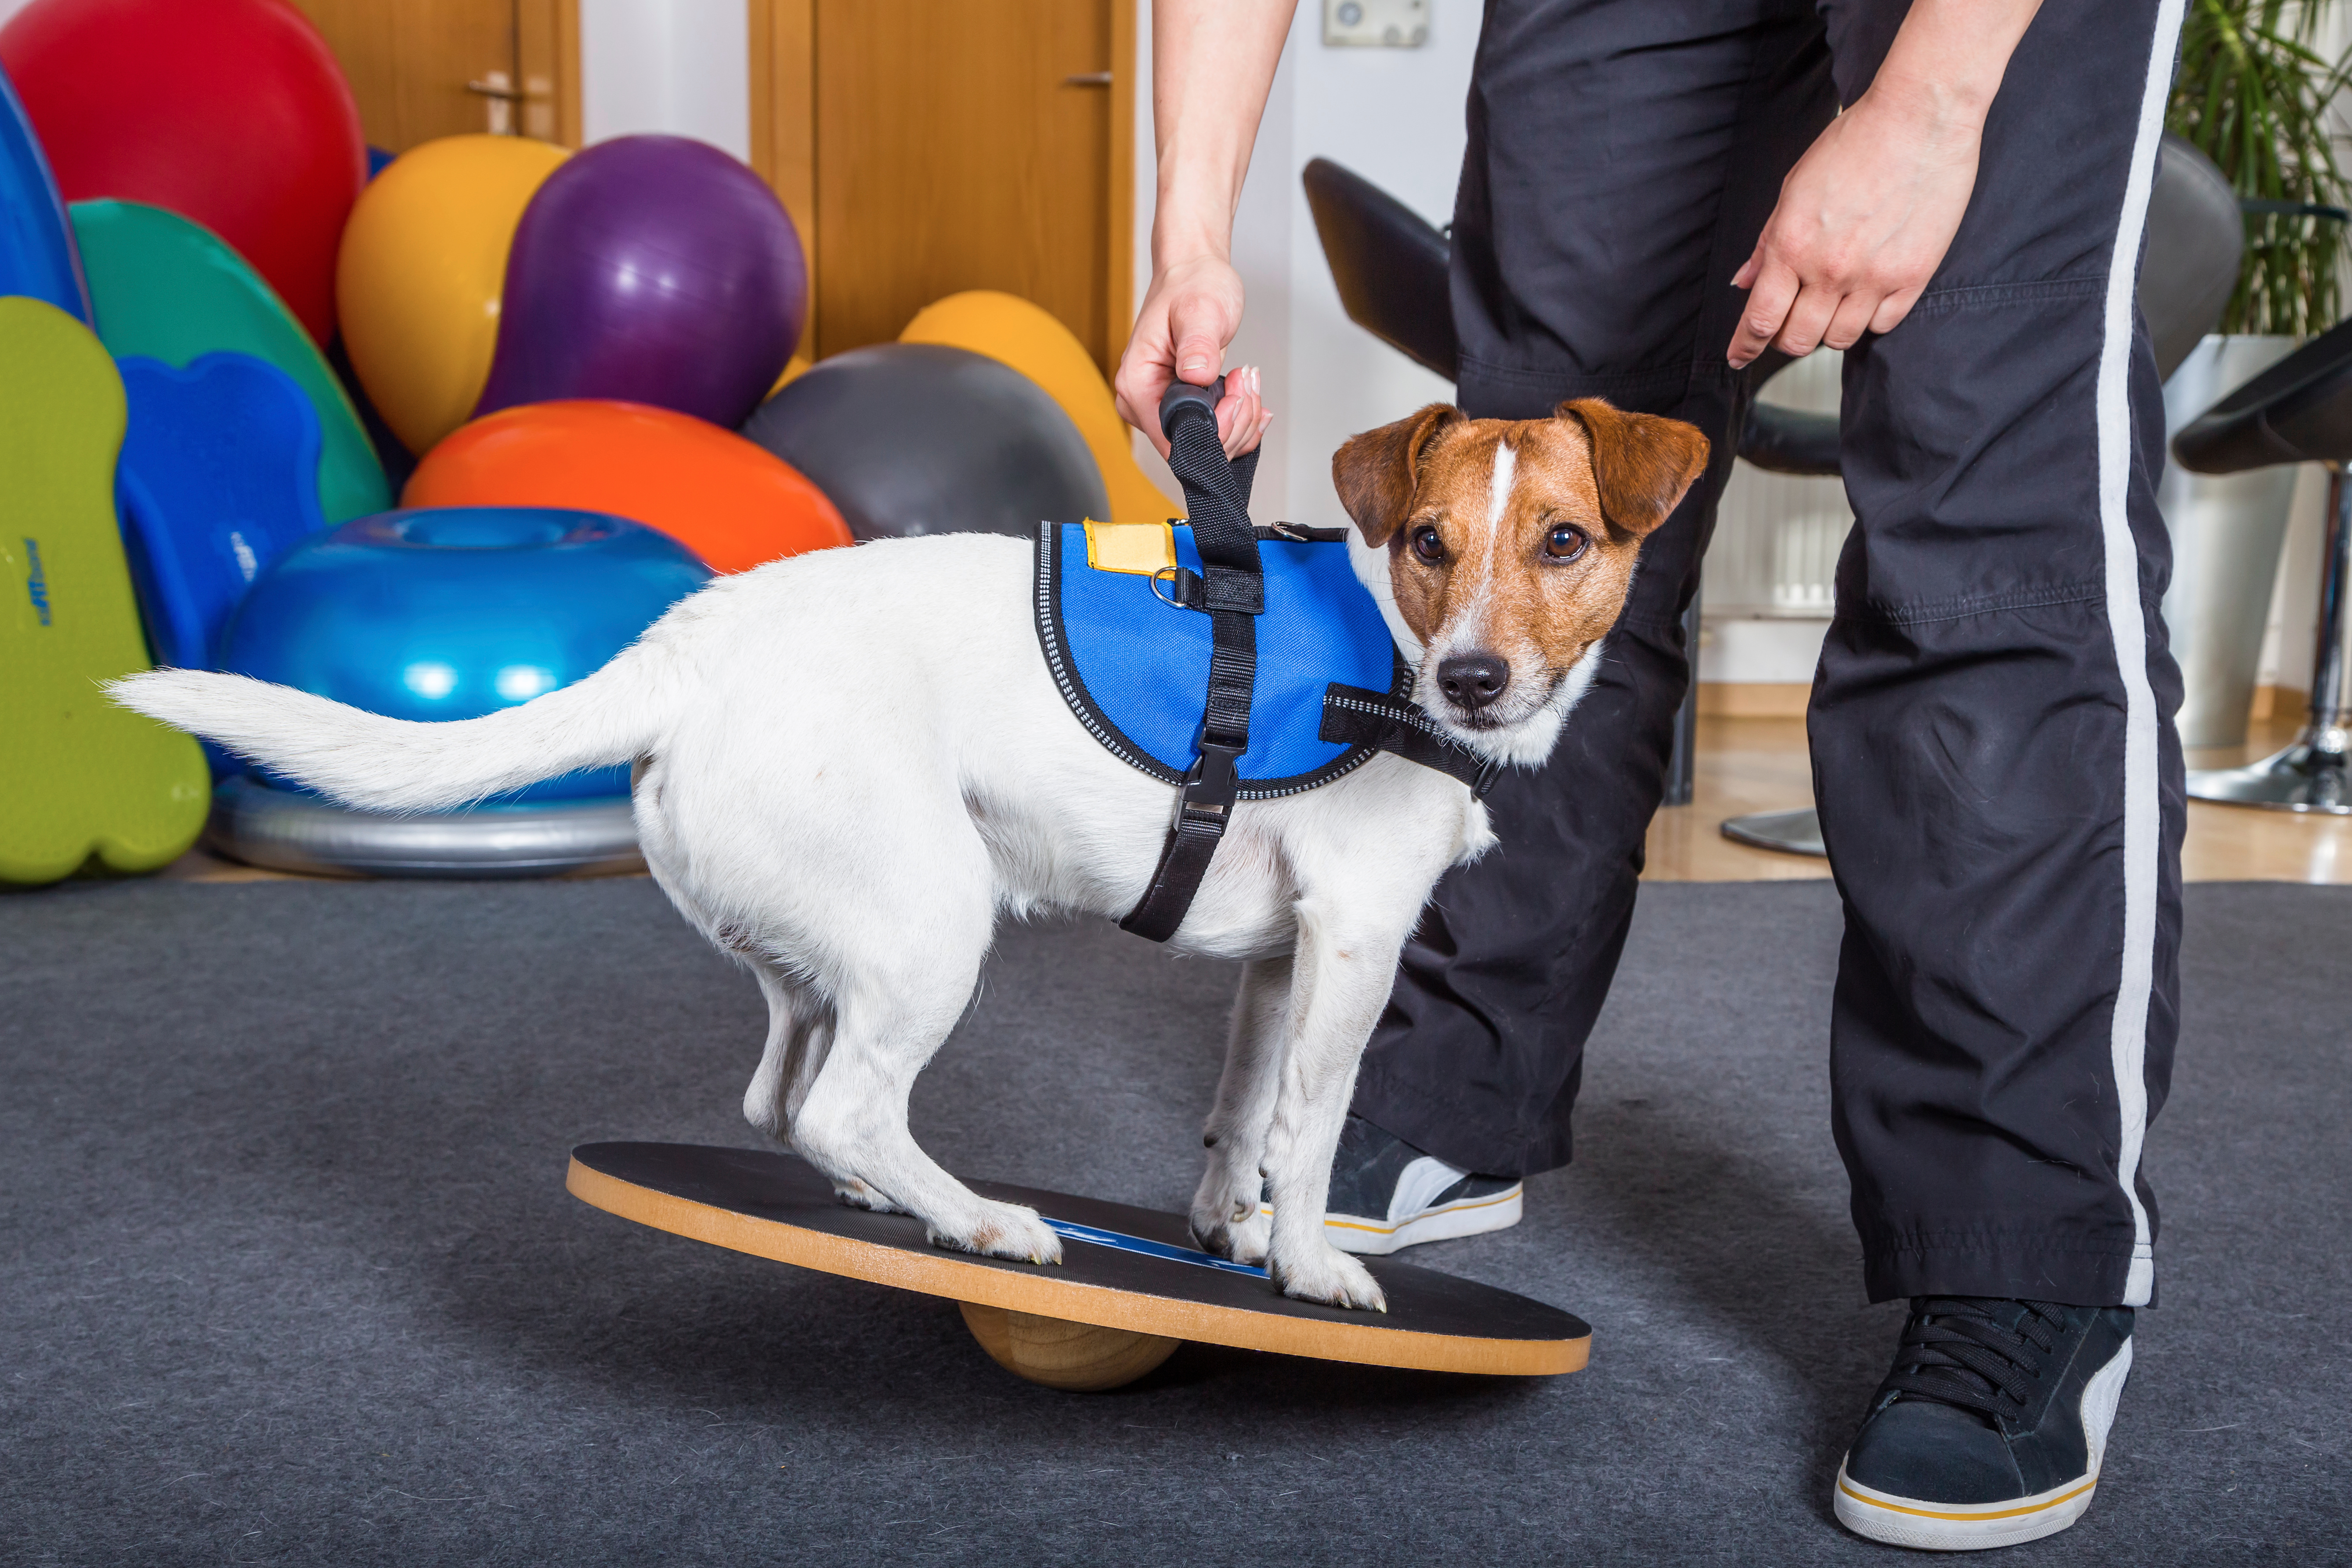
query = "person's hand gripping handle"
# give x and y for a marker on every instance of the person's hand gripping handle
(1212, 63)
(1192, 421)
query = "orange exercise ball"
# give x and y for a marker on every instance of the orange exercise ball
(722, 497)
(421, 272)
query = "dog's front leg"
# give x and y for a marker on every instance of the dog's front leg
(1339, 982)
(1228, 1214)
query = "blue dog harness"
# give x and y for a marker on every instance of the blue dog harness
(1235, 662)
(1133, 661)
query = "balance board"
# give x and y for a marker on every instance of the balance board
(1131, 1287)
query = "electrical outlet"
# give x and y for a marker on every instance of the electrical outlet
(1376, 24)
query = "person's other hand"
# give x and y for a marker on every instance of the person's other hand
(1191, 312)
(1863, 222)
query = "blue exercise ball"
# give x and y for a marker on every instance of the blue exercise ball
(441, 613)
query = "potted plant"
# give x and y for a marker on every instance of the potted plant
(2252, 92)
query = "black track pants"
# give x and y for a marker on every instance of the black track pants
(1994, 751)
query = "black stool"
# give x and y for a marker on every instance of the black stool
(1389, 266)
(2298, 411)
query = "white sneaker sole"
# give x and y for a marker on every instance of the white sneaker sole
(1463, 1216)
(1959, 1527)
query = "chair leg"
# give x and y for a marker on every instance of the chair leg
(2314, 772)
(1681, 769)
(1797, 832)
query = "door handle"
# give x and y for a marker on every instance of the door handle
(1087, 78)
(499, 88)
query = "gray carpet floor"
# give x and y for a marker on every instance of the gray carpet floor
(290, 1274)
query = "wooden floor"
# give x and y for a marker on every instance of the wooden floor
(1760, 765)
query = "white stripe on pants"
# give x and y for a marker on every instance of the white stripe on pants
(2127, 619)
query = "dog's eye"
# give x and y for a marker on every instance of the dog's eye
(1565, 542)
(1427, 545)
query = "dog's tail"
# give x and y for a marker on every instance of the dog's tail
(394, 765)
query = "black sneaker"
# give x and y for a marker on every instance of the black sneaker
(1991, 1428)
(1387, 1194)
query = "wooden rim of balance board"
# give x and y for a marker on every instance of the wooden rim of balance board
(1125, 1267)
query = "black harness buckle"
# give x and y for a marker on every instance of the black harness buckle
(1214, 782)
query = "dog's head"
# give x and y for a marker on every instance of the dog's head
(1511, 544)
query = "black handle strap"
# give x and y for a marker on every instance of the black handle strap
(1233, 592)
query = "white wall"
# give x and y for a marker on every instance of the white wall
(675, 66)
(1394, 116)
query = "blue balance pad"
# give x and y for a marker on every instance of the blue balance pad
(218, 478)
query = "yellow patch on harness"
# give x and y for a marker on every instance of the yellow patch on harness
(1142, 548)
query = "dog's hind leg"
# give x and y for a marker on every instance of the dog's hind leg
(800, 1037)
(900, 998)
(1227, 1215)
(792, 1018)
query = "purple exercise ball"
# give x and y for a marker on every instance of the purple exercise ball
(651, 270)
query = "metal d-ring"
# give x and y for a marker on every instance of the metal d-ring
(1175, 575)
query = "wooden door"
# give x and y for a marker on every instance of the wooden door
(928, 148)
(424, 68)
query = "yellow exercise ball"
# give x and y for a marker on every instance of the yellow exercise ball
(417, 280)
(1015, 333)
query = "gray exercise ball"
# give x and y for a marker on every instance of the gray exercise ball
(909, 438)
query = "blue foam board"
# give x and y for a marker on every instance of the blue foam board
(218, 480)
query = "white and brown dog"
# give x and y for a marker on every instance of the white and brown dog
(847, 766)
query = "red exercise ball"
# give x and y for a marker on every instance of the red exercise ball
(231, 112)
(729, 501)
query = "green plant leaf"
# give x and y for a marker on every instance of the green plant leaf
(2252, 93)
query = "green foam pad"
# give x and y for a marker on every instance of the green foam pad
(79, 776)
(170, 289)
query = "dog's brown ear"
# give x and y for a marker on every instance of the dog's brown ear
(1642, 464)
(1377, 472)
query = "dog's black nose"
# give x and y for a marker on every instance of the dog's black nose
(1471, 680)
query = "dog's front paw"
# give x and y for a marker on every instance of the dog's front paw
(1242, 1233)
(1000, 1230)
(1329, 1276)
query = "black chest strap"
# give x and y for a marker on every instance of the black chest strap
(1355, 716)
(1233, 592)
